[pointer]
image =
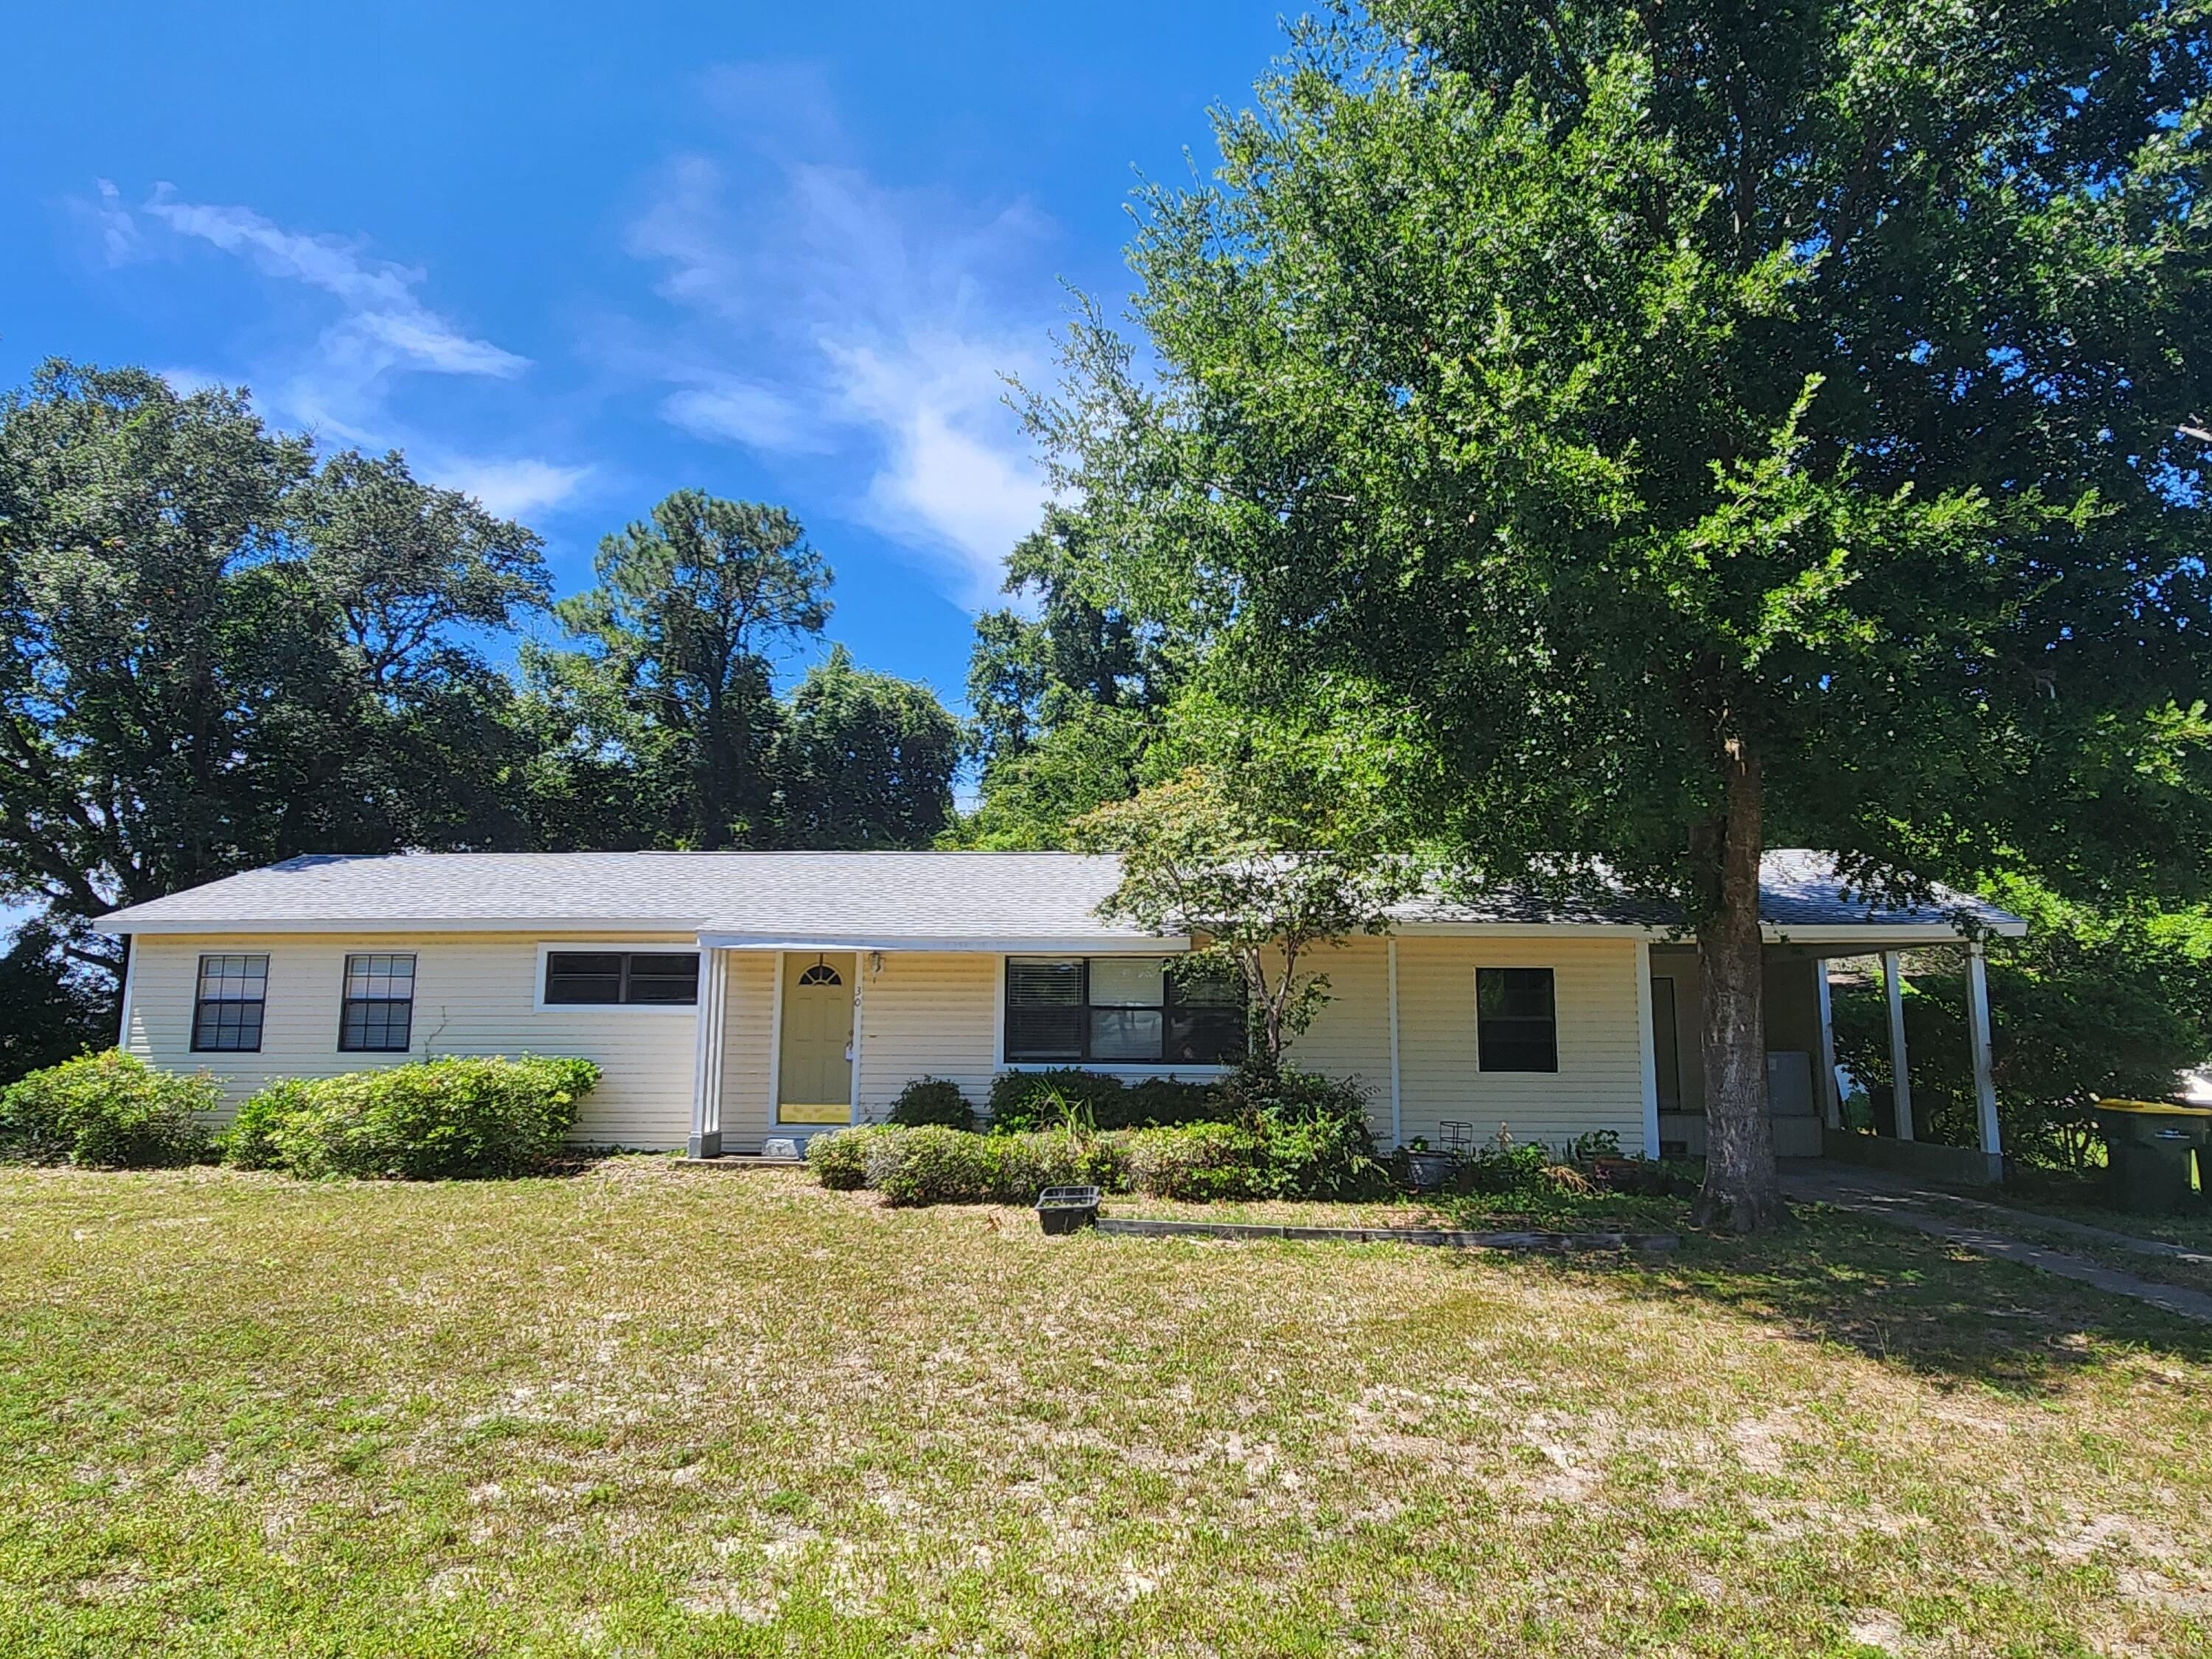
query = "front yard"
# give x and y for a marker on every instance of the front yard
(643, 1411)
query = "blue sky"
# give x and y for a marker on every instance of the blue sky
(571, 258)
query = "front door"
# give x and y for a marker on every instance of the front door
(814, 1071)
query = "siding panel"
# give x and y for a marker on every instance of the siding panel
(475, 994)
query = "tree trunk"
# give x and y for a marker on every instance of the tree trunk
(1742, 1191)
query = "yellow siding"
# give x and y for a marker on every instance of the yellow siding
(475, 994)
(1351, 1037)
(927, 1014)
(1599, 1084)
(748, 1044)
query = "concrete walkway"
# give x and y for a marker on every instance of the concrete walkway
(1980, 1226)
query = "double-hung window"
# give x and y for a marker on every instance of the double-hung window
(667, 979)
(1119, 1011)
(378, 1013)
(227, 1009)
(1516, 1019)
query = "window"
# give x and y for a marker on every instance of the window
(377, 1014)
(1120, 1010)
(226, 1012)
(1516, 1029)
(666, 978)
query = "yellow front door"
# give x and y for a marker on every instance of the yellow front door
(814, 1073)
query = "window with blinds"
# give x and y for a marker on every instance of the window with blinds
(1119, 1011)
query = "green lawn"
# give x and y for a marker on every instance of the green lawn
(644, 1411)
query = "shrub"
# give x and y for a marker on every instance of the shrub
(108, 1111)
(250, 1142)
(1199, 1161)
(1021, 1101)
(933, 1165)
(434, 1120)
(933, 1100)
(840, 1158)
(1314, 1141)
(1069, 1095)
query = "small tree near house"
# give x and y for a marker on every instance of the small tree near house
(1216, 859)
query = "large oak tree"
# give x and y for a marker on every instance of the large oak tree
(1685, 426)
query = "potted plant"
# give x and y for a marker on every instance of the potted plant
(1426, 1168)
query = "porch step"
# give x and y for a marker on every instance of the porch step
(739, 1161)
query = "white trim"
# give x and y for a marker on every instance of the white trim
(775, 1044)
(860, 1033)
(1119, 945)
(1397, 1073)
(624, 946)
(1860, 937)
(1121, 1068)
(1978, 1038)
(1647, 1045)
(130, 984)
(1832, 1103)
(998, 1016)
(1900, 1066)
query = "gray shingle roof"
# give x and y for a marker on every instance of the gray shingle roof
(957, 900)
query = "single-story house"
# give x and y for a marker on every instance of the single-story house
(733, 997)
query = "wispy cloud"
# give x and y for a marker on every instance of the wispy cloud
(339, 382)
(825, 312)
(384, 318)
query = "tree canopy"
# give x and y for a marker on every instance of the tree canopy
(1695, 427)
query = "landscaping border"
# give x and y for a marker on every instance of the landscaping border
(1131, 1227)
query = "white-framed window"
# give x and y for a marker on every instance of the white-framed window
(376, 1015)
(1119, 1010)
(645, 978)
(227, 1006)
(1516, 1026)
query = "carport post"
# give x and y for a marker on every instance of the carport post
(1893, 985)
(1832, 1103)
(1977, 1037)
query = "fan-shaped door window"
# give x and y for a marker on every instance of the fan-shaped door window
(821, 974)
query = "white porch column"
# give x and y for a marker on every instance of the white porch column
(1832, 1102)
(1647, 1043)
(860, 959)
(1397, 1087)
(1893, 985)
(706, 1065)
(1977, 1039)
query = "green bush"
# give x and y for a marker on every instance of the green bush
(108, 1111)
(434, 1120)
(933, 1164)
(250, 1142)
(936, 1100)
(1067, 1095)
(840, 1158)
(1203, 1162)
(1022, 1101)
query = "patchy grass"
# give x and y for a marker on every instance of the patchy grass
(1556, 1212)
(641, 1411)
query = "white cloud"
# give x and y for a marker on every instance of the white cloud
(513, 489)
(871, 323)
(384, 319)
(339, 383)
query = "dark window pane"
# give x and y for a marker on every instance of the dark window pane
(1205, 1036)
(583, 977)
(1515, 1027)
(375, 1027)
(1044, 1034)
(664, 979)
(1130, 1035)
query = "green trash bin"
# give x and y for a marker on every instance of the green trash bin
(2150, 1146)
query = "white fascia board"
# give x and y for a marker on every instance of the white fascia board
(592, 926)
(1008, 945)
